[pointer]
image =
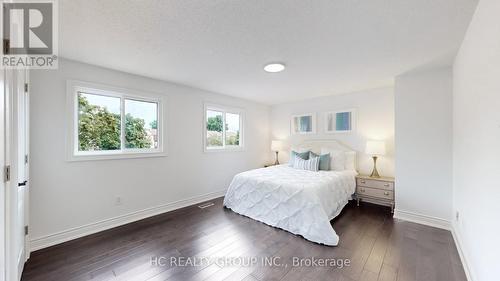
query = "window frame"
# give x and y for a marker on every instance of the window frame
(224, 110)
(73, 154)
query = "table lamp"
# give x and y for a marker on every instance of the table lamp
(375, 149)
(276, 146)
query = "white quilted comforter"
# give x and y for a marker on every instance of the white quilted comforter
(298, 201)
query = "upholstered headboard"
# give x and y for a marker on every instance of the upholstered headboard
(316, 146)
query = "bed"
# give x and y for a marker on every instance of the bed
(298, 201)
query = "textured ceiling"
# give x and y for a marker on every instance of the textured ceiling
(329, 46)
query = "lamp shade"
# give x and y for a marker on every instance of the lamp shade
(277, 145)
(375, 147)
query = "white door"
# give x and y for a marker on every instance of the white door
(21, 130)
(16, 187)
(25, 161)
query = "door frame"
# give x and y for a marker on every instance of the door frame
(3, 185)
(11, 271)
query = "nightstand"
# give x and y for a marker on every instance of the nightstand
(375, 190)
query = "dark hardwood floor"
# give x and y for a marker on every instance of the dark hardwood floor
(378, 248)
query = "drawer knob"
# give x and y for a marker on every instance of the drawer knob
(386, 193)
(386, 185)
(362, 190)
(363, 181)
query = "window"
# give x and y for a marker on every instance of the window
(99, 122)
(223, 128)
(141, 124)
(113, 123)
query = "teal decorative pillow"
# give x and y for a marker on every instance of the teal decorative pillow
(324, 160)
(302, 155)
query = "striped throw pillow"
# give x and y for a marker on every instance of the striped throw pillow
(303, 155)
(312, 164)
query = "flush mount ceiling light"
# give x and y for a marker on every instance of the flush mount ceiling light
(274, 67)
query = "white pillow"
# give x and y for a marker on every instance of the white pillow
(350, 160)
(337, 158)
(311, 165)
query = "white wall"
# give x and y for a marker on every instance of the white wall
(375, 120)
(476, 137)
(67, 195)
(423, 105)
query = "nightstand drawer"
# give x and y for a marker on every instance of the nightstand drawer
(386, 185)
(374, 192)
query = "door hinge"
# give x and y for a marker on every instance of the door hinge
(6, 46)
(26, 230)
(6, 173)
(26, 159)
(26, 87)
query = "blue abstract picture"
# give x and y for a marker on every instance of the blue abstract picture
(343, 122)
(302, 124)
(339, 121)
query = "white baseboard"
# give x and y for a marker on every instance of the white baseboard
(77, 232)
(462, 252)
(422, 219)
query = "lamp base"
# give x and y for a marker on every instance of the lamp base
(375, 172)
(276, 162)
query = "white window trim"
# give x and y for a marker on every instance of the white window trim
(353, 121)
(72, 153)
(224, 110)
